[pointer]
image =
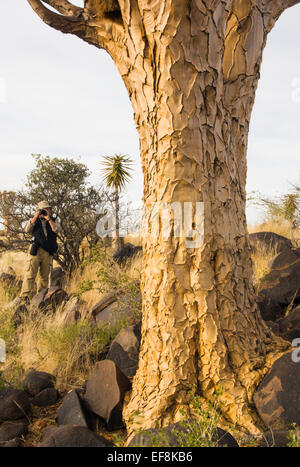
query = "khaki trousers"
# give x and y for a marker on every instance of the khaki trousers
(36, 264)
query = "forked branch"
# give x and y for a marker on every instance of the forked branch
(67, 24)
(276, 7)
(71, 19)
(64, 7)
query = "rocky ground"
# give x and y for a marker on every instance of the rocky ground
(91, 415)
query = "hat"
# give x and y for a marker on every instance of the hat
(43, 205)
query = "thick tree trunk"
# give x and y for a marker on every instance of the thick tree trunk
(191, 69)
(201, 325)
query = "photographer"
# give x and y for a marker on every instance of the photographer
(44, 229)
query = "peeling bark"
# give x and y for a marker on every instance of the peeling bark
(191, 68)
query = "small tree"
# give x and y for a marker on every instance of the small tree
(116, 172)
(63, 182)
(285, 207)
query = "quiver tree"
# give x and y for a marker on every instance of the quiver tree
(116, 173)
(191, 68)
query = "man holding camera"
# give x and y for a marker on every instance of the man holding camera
(44, 229)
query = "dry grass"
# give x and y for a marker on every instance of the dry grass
(69, 351)
(15, 260)
(261, 260)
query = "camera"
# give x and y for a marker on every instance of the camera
(43, 212)
(34, 249)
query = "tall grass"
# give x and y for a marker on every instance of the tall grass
(69, 351)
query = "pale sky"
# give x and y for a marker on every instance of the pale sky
(62, 97)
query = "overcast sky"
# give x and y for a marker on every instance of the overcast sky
(62, 97)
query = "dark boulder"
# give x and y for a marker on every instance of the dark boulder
(289, 327)
(14, 404)
(49, 298)
(46, 397)
(125, 252)
(36, 381)
(74, 436)
(277, 398)
(269, 241)
(105, 391)
(281, 286)
(102, 304)
(38, 300)
(124, 350)
(274, 327)
(71, 311)
(172, 436)
(72, 412)
(7, 279)
(269, 309)
(54, 297)
(20, 312)
(58, 277)
(110, 315)
(9, 431)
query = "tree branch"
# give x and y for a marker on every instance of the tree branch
(276, 7)
(67, 24)
(64, 7)
(77, 23)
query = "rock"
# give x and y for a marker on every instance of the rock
(105, 391)
(20, 311)
(105, 302)
(72, 412)
(13, 443)
(274, 326)
(115, 306)
(58, 277)
(124, 350)
(283, 259)
(7, 279)
(14, 404)
(36, 381)
(276, 439)
(281, 286)
(71, 312)
(52, 297)
(269, 241)
(289, 327)
(38, 300)
(111, 314)
(168, 437)
(46, 397)
(9, 431)
(277, 397)
(74, 436)
(269, 309)
(126, 252)
(55, 297)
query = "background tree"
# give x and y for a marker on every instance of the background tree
(281, 208)
(116, 173)
(191, 68)
(62, 182)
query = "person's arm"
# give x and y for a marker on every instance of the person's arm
(54, 226)
(31, 223)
